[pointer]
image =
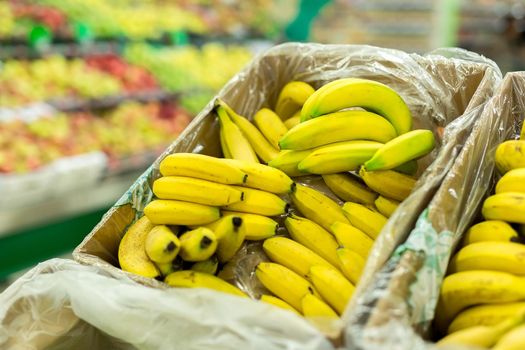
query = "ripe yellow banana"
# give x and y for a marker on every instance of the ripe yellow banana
(364, 219)
(170, 212)
(339, 157)
(490, 230)
(263, 177)
(408, 168)
(270, 125)
(510, 155)
(386, 206)
(287, 162)
(314, 237)
(486, 315)
(368, 94)
(259, 202)
(514, 339)
(207, 266)
(255, 139)
(284, 283)
(317, 207)
(314, 307)
(293, 120)
(230, 233)
(257, 227)
(201, 167)
(334, 288)
(349, 188)
(351, 264)
(162, 246)
(132, 255)
(224, 147)
(512, 181)
(196, 191)
(195, 279)
(198, 244)
(237, 145)
(388, 183)
(404, 148)
(506, 206)
(292, 255)
(270, 299)
(292, 97)
(352, 238)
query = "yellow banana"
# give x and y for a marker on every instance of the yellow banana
(201, 167)
(314, 307)
(364, 219)
(349, 188)
(264, 177)
(338, 127)
(409, 168)
(317, 207)
(351, 264)
(230, 234)
(207, 266)
(257, 227)
(506, 206)
(292, 255)
(287, 162)
(514, 339)
(293, 120)
(510, 155)
(259, 202)
(292, 97)
(490, 230)
(404, 148)
(270, 299)
(386, 206)
(196, 191)
(198, 244)
(170, 212)
(512, 181)
(195, 279)
(162, 246)
(388, 183)
(284, 283)
(352, 238)
(270, 125)
(237, 145)
(224, 147)
(334, 288)
(368, 94)
(339, 157)
(132, 255)
(314, 237)
(485, 315)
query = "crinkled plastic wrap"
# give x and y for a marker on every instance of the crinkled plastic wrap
(443, 91)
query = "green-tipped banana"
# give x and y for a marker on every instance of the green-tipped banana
(237, 145)
(270, 125)
(198, 245)
(292, 97)
(409, 168)
(349, 188)
(263, 177)
(162, 246)
(287, 162)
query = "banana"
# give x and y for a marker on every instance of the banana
(170, 212)
(314, 307)
(198, 244)
(386, 206)
(338, 157)
(196, 191)
(314, 237)
(255, 139)
(207, 266)
(514, 339)
(485, 315)
(512, 181)
(404, 148)
(259, 202)
(506, 206)
(195, 279)
(161, 245)
(495, 256)
(230, 233)
(338, 127)
(349, 188)
(237, 145)
(368, 94)
(132, 256)
(334, 288)
(317, 207)
(284, 283)
(170, 267)
(293, 120)
(351, 264)
(408, 168)
(364, 219)
(510, 155)
(388, 183)
(270, 125)
(270, 299)
(257, 227)
(224, 147)
(201, 167)
(352, 238)
(287, 162)
(292, 97)
(263, 177)
(292, 255)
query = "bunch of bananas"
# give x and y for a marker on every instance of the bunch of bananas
(482, 300)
